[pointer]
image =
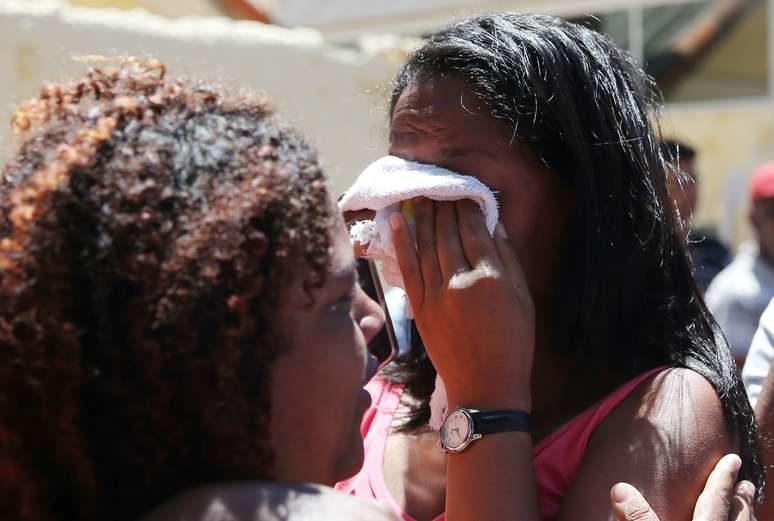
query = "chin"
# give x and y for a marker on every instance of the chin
(351, 462)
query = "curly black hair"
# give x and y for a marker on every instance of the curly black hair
(147, 225)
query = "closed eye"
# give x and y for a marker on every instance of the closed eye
(456, 152)
(344, 303)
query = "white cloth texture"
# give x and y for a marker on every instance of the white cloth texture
(758, 361)
(738, 296)
(389, 181)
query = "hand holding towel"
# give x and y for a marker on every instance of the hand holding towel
(387, 182)
(382, 187)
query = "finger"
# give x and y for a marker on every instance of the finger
(476, 240)
(408, 261)
(359, 250)
(448, 245)
(424, 215)
(742, 502)
(715, 500)
(629, 505)
(510, 261)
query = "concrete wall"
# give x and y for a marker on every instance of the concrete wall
(336, 96)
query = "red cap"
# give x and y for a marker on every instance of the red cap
(762, 182)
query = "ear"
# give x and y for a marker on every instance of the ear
(298, 290)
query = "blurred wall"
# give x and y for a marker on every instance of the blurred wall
(731, 139)
(336, 96)
(168, 8)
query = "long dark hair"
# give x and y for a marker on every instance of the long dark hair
(586, 109)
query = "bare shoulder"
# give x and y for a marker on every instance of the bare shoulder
(664, 438)
(676, 402)
(268, 502)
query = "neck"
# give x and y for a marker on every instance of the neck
(560, 388)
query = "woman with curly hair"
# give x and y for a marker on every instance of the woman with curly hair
(178, 297)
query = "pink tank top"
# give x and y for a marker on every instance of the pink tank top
(557, 457)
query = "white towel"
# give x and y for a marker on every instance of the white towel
(382, 186)
(388, 181)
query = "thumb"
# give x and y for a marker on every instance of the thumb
(629, 505)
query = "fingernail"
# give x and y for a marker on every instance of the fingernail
(748, 490)
(500, 231)
(394, 221)
(619, 493)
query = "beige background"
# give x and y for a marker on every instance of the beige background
(336, 95)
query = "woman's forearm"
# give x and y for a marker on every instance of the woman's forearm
(479, 473)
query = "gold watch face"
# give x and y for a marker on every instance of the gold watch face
(456, 430)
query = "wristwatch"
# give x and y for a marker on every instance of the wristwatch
(463, 426)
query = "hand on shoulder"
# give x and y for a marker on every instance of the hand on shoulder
(664, 438)
(723, 499)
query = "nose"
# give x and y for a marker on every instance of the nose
(367, 313)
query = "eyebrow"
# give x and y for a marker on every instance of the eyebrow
(465, 151)
(413, 120)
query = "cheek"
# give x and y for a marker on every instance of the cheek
(332, 376)
(537, 222)
(315, 389)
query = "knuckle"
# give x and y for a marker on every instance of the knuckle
(741, 509)
(473, 224)
(488, 275)
(716, 505)
(423, 207)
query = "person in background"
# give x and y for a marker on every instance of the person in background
(708, 254)
(740, 293)
(760, 355)
(759, 382)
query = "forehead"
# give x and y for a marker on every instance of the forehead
(442, 105)
(433, 94)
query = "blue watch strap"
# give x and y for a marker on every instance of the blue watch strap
(501, 421)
